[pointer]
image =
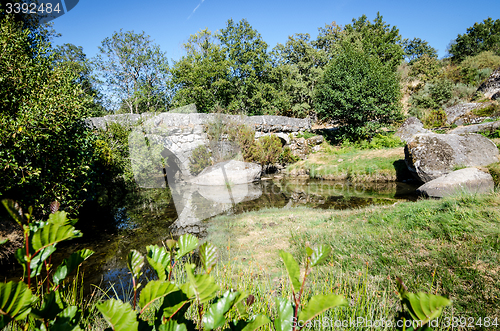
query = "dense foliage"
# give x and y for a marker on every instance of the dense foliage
(483, 36)
(346, 94)
(46, 152)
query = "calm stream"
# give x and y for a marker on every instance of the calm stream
(150, 217)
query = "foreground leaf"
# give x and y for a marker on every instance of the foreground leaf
(186, 244)
(285, 315)
(172, 326)
(425, 307)
(52, 234)
(208, 256)
(292, 268)
(214, 317)
(119, 315)
(159, 260)
(135, 261)
(70, 264)
(319, 304)
(201, 287)
(320, 254)
(155, 290)
(250, 325)
(15, 302)
(14, 210)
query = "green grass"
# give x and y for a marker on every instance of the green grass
(351, 163)
(449, 247)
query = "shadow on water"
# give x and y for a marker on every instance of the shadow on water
(151, 216)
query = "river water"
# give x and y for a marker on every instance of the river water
(154, 215)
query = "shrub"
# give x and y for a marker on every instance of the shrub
(380, 141)
(266, 150)
(435, 119)
(359, 92)
(201, 158)
(287, 157)
(425, 68)
(490, 110)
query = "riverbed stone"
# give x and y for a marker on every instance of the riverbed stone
(229, 173)
(410, 128)
(491, 86)
(429, 155)
(470, 180)
(483, 127)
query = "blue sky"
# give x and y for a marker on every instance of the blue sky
(170, 22)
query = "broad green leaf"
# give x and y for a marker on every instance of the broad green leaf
(320, 303)
(186, 244)
(203, 287)
(14, 210)
(15, 302)
(67, 320)
(172, 326)
(171, 243)
(173, 304)
(52, 234)
(59, 218)
(208, 256)
(49, 309)
(320, 254)
(253, 324)
(159, 260)
(240, 304)
(155, 290)
(70, 264)
(36, 263)
(119, 315)
(309, 251)
(285, 315)
(292, 267)
(135, 261)
(214, 317)
(426, 307)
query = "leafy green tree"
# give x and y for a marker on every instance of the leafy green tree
(46, 152)
(484, 36)
(358, 92)
(377, 38)
(304, 64)
(249, 64)
(416, 48)
(134, 72)
(74, 59)
(202, 75)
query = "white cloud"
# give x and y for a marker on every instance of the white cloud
(195, 9)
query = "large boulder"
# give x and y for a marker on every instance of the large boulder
(458, 111)
(470, 180)
(228, 173)
(483, 127)
(410, 127)
(491, 86)
(429, 155)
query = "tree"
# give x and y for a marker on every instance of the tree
(358, 92)
(416, 48)
(249, 64)
(377, 38)
(304, 65)
(202, 75)
(484, 36)
(134, 72)
(74, 59)
(46, 152)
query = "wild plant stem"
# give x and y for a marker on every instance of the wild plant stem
(28, 258)
(135, 291)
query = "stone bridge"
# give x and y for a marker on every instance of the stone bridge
(178, 134)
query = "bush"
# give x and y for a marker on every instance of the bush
(200, 159)
(359, 92)
(425, 68)
(266, 150)
(435, 119)
(380, 141)
(287, 157)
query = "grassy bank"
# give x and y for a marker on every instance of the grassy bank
(449, 247)
(350, 163)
